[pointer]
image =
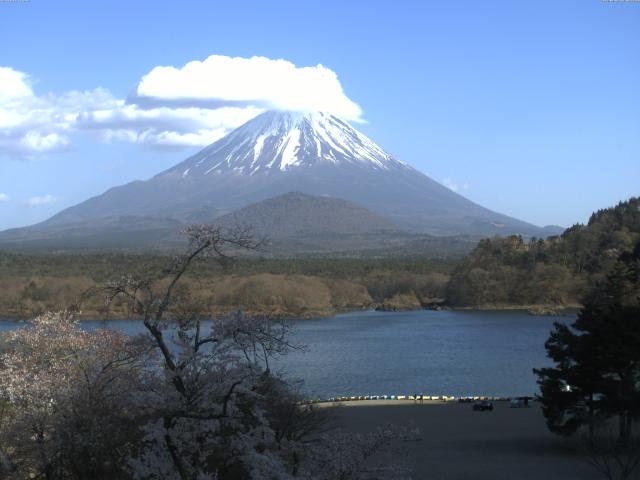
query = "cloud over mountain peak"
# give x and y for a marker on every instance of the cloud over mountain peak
(192, 105)
(256, 81)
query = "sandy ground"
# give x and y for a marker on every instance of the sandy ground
(459, 444)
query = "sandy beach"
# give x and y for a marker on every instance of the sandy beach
(458, 443)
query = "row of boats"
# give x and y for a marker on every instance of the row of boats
(417, 398)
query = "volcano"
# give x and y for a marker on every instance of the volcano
(275, 153)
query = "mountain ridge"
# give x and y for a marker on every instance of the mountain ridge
(279, 152)
(285, 140)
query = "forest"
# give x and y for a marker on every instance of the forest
(543, 275)
(556, 271)
(32, 284)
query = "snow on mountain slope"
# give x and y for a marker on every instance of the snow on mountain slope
(282, 141)
(271, 155)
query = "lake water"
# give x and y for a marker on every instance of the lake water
(398, 353)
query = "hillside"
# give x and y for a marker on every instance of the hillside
(297, 225)
(275, 153)
(294, 224)
(556, 271)
(297, 214)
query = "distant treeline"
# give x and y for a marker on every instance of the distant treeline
(556, 271)
(500, 272)
(33, 283)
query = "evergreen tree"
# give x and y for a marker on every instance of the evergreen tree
(597, 371)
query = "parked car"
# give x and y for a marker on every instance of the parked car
(483, 406)
(520, 402)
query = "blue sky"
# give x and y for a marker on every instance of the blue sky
(529, 108)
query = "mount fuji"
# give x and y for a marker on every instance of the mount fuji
(275, 153)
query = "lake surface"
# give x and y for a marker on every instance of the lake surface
(402, 353)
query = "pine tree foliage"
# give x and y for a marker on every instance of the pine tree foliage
(597, 359)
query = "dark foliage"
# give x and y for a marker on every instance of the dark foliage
(597, 359)
(555, 271)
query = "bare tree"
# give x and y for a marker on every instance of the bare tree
(221, 412)
(194, 398)
(212, 371)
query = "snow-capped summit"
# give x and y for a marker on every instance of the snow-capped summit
(276, 153)
(284, 140)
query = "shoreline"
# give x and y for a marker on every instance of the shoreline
(534, 310)
(404, 401)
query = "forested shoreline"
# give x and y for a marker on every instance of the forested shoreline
(540, 275)
(558, 270)
(31, 284)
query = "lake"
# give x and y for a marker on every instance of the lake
(461, 353)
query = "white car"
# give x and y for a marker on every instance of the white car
(520, 402)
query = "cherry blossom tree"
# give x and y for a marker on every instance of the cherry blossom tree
(194, 398)
(68, 396)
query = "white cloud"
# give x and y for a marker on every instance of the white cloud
(32, 124)
(192, 105)
(41, 200)
(4, 197)
(254, 81)
(165, 126)
(13, 84)
(454, 186)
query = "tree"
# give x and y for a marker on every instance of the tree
(194, 398)
(219, 410)
(569, 391)
(209, 417)
(597, 372)
(559, 270)
(67, 397)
